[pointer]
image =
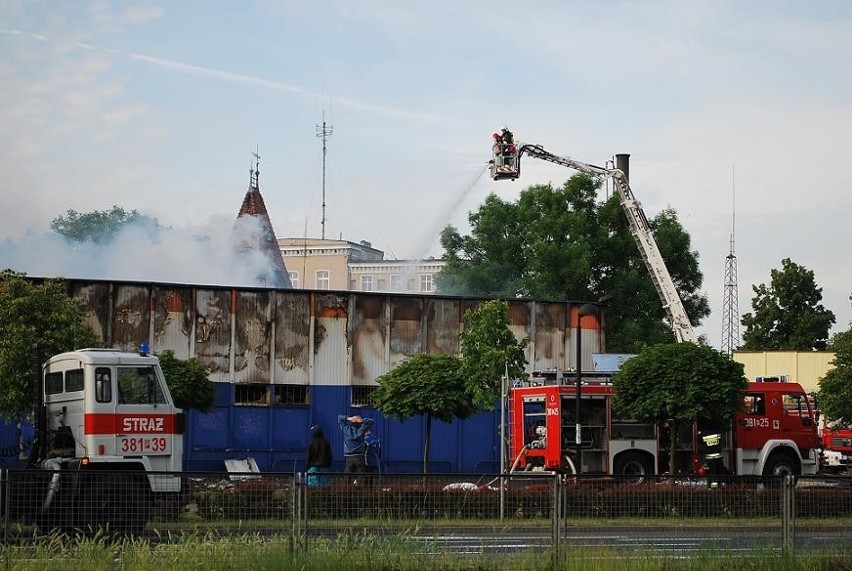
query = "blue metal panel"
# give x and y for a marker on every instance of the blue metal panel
(250, 428)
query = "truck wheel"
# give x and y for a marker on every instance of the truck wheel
(780, 464)
(635, 466)
(117, 504)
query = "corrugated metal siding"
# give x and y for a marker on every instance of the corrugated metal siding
(805, 367)
(443, 321)
(331, 347)
(368, 337)
(173, 320)
(131, 315)
(98, 306)
(252, 341)
(293, 344)
(406, 329)
(212, 332)
(550, 337)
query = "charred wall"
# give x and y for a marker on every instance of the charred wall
(311, 337)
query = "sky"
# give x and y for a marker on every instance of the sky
(735, 114)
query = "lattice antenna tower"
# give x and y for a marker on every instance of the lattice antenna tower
(324, 132)
(730, 306)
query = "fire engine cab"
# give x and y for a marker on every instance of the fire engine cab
(774, 433)
(108, 438)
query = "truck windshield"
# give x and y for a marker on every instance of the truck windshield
(139, 385)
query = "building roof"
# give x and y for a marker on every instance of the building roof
(262, 238)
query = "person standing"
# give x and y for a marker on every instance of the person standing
(319, 457)
(354, 429)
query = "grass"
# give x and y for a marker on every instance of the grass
(371, 553)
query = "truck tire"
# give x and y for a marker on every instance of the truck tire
(636, 467)
(781, 464)
(118, 504)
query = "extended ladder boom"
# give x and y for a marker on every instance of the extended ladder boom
(641, 231)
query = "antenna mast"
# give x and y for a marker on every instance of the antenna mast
(323, 132)
(730, 309)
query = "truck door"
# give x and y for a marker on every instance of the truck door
(753, 422)
(797, 422)
(144, 420)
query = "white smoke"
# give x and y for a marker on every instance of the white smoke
(204, 256)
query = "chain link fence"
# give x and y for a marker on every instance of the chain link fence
(463, 513)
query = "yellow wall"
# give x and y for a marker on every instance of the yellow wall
(805, 368)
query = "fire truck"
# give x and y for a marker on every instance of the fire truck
(108, 436)
(774, 434)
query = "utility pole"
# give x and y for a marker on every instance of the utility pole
(324, 132)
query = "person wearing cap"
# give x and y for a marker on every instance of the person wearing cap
(319, 457)
(354, 429)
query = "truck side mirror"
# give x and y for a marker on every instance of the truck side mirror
(807, 421)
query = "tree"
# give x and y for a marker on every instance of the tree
(33, 314)
(188, 382)
(787, 313)
(490, 349)
(679, 383)
(565, 244)
(425, 384)
(98, 226)
(835, 388)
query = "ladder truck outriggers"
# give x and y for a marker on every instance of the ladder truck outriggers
(506, 165)
(108, 438)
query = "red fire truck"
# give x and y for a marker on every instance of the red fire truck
(774, 434)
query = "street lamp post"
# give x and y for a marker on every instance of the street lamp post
(585, 310)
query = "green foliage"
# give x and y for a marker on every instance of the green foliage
(787, 314)
(34, 313)
(188, 382)
(679, 383)
(835, 388)
(489, 349)
(424, 384)
(564, 244)
(98, 226)
(684, 382)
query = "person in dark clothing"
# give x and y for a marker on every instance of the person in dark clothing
(319, 457)
(354, 429)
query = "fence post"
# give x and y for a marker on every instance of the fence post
(788, 514)
(556, 510)
(298, 529)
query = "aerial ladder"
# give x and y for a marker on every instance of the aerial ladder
(506, 165)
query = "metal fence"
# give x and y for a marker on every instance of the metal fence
(462, 513)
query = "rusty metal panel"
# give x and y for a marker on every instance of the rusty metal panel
(521, 323)
(131, 316)
(550, 337)
(252, 340)
(292, 355)
(443, 324)
(172, 315)
(368, 338)
(96, 306)
(406, 328)
(213, 332)
(331, 343)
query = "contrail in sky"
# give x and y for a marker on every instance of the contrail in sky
(244, 79)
